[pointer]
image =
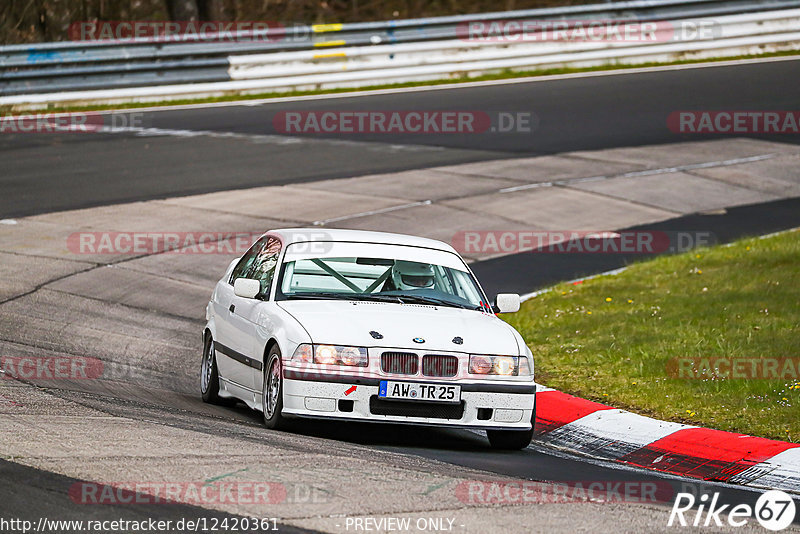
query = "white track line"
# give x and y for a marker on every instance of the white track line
(373, 212)
(267, 138)
(648, 172)
(631, 174)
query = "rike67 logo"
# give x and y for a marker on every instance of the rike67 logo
(774, 510)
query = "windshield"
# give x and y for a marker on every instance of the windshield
(385, 279)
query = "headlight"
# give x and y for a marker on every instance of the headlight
(331, 355)
(497, 365)
(505, 365)
(326, 354)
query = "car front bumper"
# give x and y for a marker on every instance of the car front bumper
(507, 406)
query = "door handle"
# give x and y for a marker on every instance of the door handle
(233, 307)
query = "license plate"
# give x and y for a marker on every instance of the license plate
(419, 392)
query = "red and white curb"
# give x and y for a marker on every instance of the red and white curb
(592, 429)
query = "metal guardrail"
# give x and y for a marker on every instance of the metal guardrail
(358, 53)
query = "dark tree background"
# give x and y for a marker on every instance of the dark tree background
(28, 21)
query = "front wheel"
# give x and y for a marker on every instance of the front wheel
(209, 374)
(272, 391)
(512, 440)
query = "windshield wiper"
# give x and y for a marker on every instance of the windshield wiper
(437, 302)
(332, 295)
(329, 295)
(398, 299)
(381, 298)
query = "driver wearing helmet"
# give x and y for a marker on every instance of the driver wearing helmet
(412, 275)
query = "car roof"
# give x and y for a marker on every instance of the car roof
(319, 234)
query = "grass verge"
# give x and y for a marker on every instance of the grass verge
(505, 75)
(625, 339)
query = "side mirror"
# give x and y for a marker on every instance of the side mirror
(506, 303)
(246, 288)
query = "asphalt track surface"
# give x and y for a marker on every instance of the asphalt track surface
(52, 172)
(528, 271)
(55, 171)
(28, 494)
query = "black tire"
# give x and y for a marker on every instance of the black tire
(512, 440)
(209, 374)
(272, 390)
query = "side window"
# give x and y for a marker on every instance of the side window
(247, 260)
(263, 266)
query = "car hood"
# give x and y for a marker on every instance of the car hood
(350, 323)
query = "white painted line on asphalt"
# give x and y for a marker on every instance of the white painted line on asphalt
(9, 222)
(373, 212)
(648, 172)
(773, 234)
(692, 166)
(665, 170)
(266, 138)
(588, 179)
(168, 132)
(528, 186)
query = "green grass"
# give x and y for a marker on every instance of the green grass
(504, 75)
(611, 339)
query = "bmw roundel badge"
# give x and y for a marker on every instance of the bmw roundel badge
(419, 340)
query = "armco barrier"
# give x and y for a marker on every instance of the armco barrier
(351, 55)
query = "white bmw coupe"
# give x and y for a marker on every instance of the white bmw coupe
(366, 326)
